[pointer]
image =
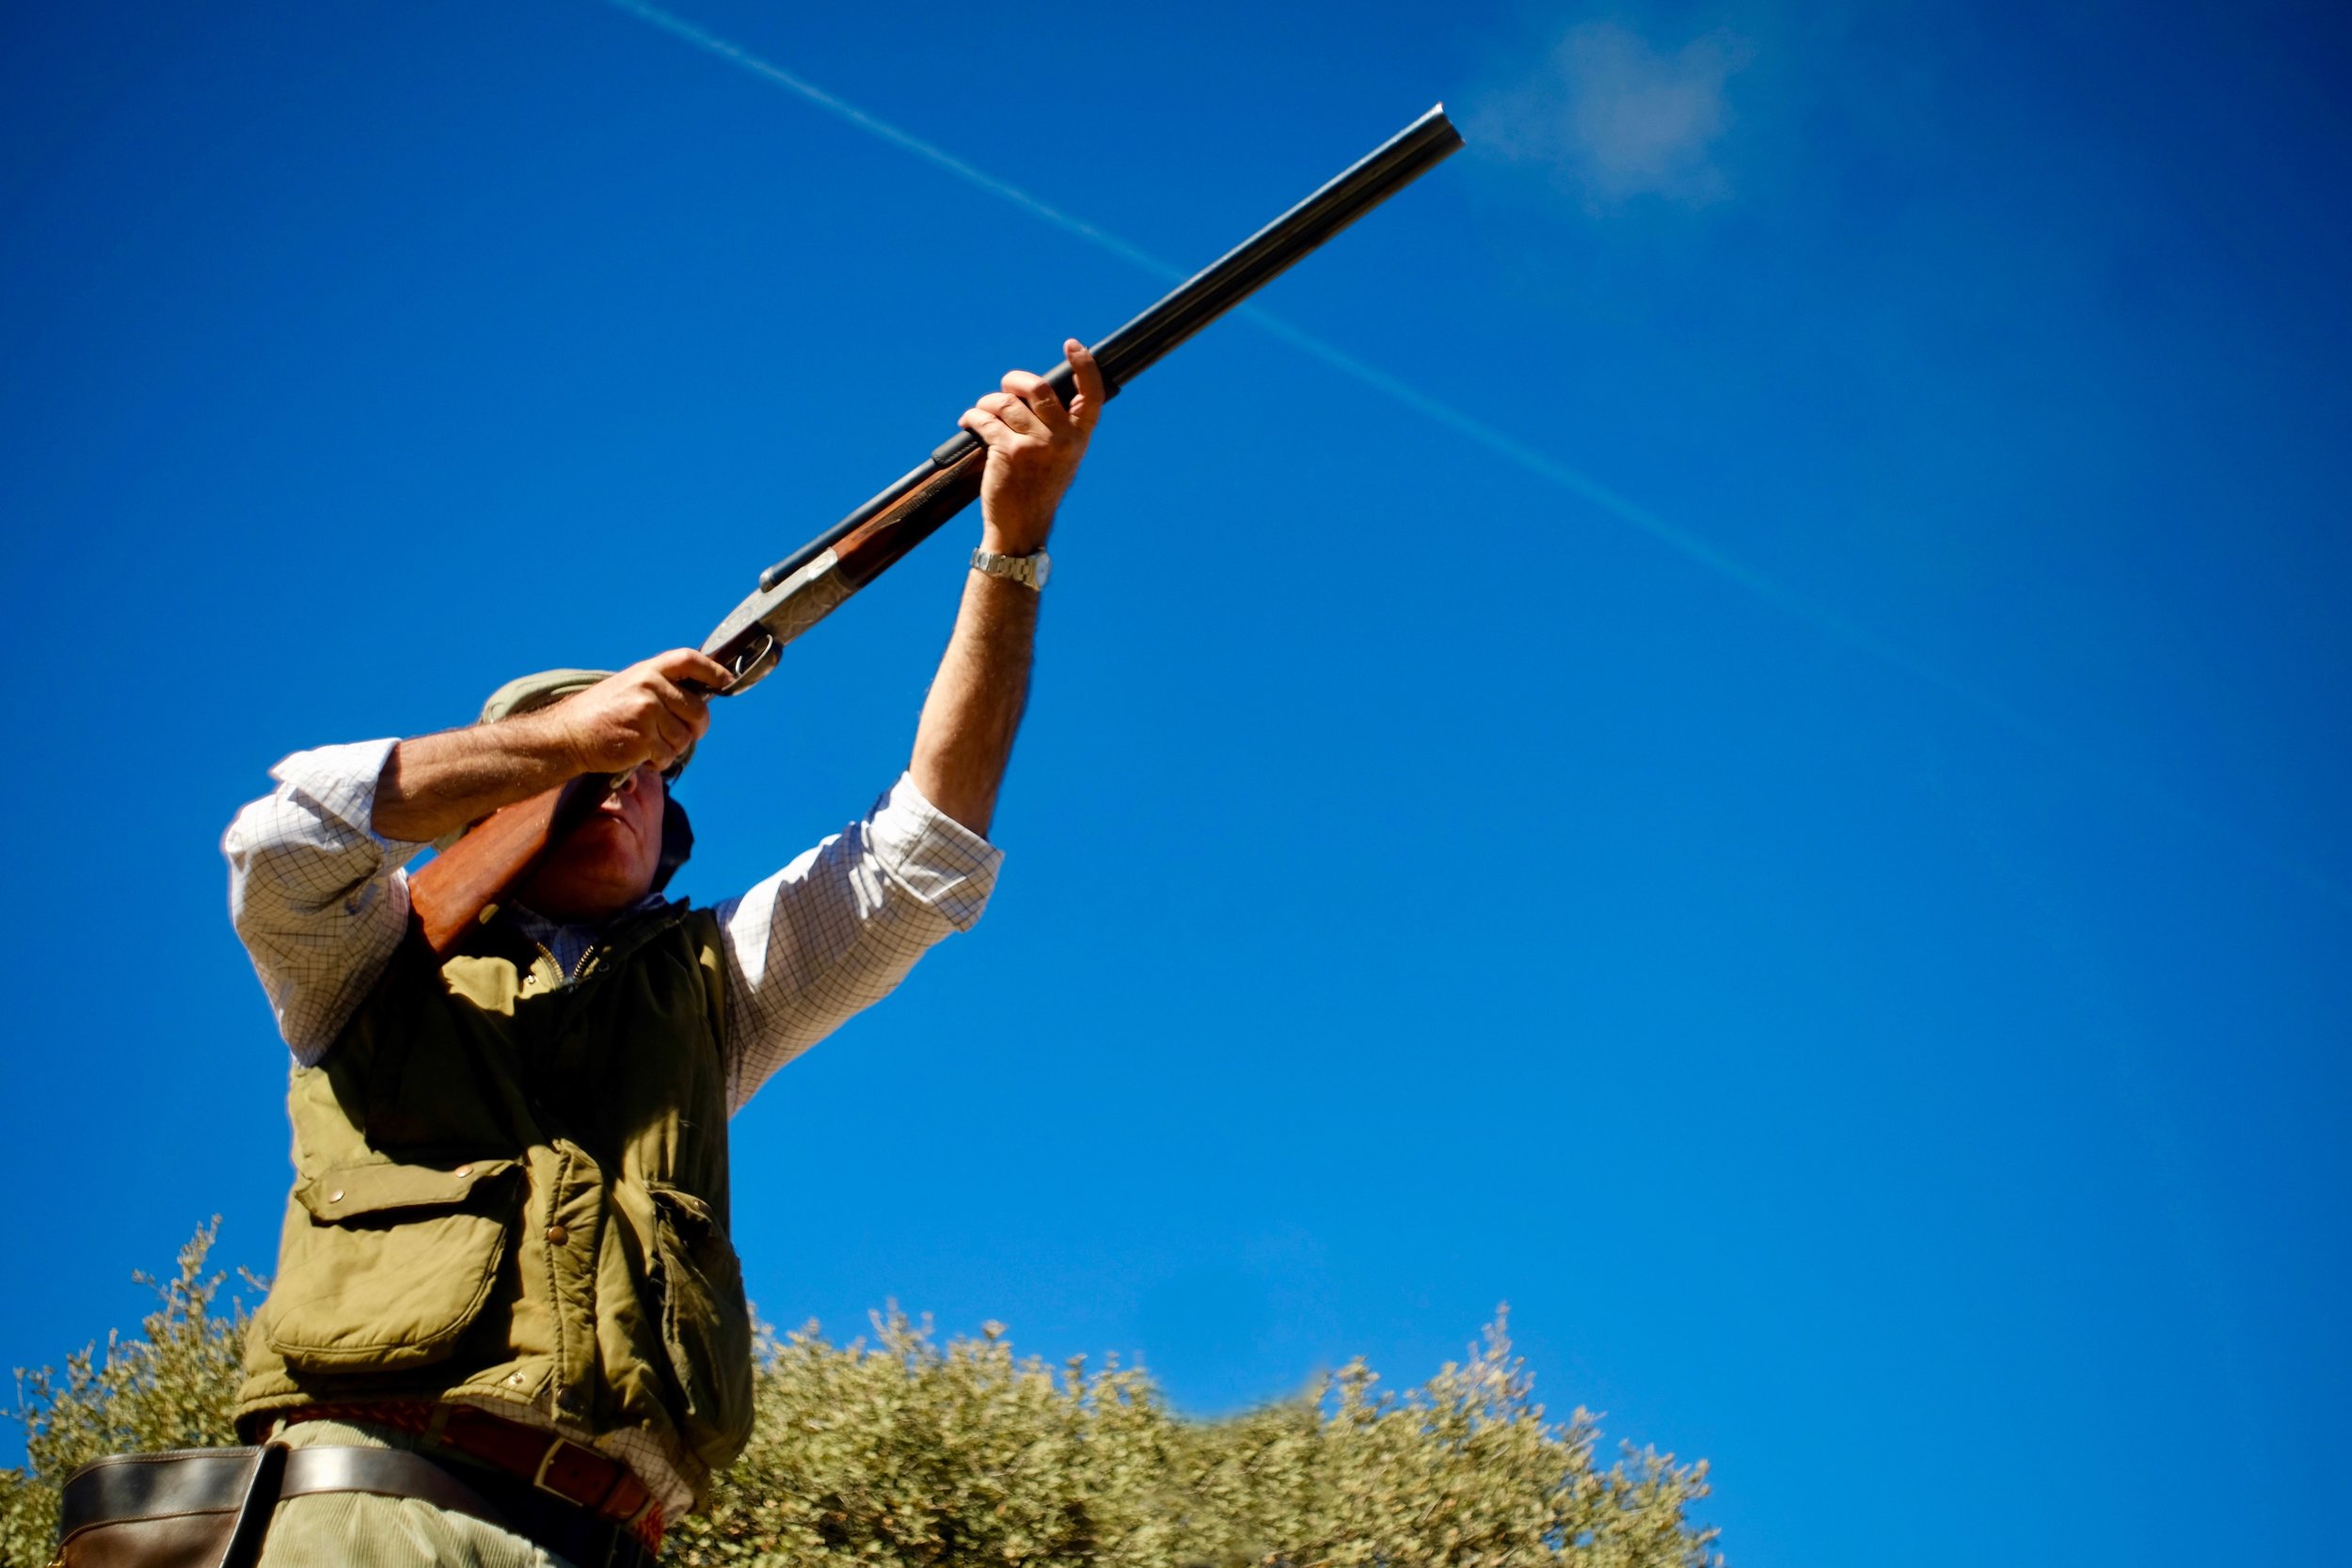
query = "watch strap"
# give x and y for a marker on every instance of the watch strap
(1029, 570)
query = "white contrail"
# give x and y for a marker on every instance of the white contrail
(1569, 479)
(1681, 541)
(736, 55)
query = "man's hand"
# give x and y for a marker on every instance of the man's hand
(1034, 445)
(650, 712)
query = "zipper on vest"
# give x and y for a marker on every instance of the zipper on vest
(587, 961)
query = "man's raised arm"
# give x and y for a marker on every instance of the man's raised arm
(840, 926)
(964, 737)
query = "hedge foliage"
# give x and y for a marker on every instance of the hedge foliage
(904, 1451)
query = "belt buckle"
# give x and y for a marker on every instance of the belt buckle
(539, 1476)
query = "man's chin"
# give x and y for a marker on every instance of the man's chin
(585, 892)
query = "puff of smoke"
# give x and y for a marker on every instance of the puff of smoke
(1612, 116)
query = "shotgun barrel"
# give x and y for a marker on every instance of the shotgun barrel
(819, 578)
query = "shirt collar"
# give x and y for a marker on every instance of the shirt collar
(569, 942)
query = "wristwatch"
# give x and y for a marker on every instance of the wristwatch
(1030, 570)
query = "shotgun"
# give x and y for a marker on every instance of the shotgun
(463, 885)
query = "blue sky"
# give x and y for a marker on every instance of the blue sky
(1756, 769)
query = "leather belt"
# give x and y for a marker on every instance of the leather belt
(189, 1496)
(569, 1471)
(214, 1480)
(214, 1504)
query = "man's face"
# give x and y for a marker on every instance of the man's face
(609, 861)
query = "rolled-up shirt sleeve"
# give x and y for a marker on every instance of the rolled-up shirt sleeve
(837, 930)
(318, 896)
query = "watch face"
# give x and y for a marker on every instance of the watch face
(1041, 567)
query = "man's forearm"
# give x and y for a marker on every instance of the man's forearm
(437, 783)
(651, 712)
(964, 738)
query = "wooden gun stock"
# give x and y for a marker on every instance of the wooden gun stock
(450, 895)
(461, 887)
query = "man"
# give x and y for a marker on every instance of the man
(507, 1246)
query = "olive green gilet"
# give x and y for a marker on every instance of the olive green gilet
(518, 1188)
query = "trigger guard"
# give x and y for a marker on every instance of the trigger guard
(750, 672)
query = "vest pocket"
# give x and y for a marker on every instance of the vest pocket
(705, 1325)
(386, 1266)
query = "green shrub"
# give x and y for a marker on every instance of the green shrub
(171, 1388)
(907, 1452)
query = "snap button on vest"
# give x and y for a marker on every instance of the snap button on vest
(558, 1235)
